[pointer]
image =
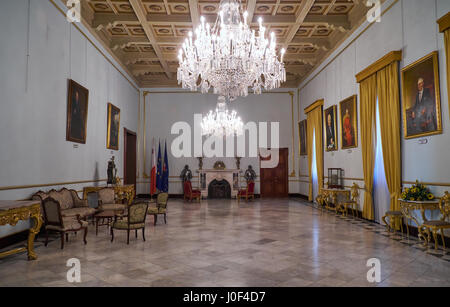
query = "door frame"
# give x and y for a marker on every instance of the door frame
(125, 132)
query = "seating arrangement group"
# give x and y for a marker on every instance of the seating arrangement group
(63, 211)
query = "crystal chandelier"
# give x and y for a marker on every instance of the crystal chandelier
(222, 122)
(229, 56)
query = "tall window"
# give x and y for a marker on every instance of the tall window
(381, 195)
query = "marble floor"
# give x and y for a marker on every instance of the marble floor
(218, 243)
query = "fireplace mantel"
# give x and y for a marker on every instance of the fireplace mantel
(208, 175)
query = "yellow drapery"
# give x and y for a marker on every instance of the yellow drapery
(368, 91)
(389, 107)
(314, 123)
(447, 53)
(444, 27)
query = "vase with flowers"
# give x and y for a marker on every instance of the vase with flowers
(417, 192)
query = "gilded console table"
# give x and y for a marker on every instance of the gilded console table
(333, 194)
(11, 212)
(409, 208)
(123, 192)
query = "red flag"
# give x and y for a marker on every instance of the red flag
(153, 171)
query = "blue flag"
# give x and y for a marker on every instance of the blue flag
(159, 169)
(165, 172)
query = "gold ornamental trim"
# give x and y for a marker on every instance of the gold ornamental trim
(444, 22)
(317, 103)
(393, 56)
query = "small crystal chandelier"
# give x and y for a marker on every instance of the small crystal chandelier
(229, 56)
(222, 122)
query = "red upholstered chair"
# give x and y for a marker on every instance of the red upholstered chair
(189, 193)
(248, 193)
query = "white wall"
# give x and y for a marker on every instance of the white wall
(410, 25)
(33, 100)
(163, 110)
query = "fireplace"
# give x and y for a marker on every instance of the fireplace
(219, 189)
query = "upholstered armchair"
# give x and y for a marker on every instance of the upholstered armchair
(161, 207)
(107, 200)
(248, 192)
(441, 224)
(351, 203)
(135, 220)
(55, 221)
(189, 193)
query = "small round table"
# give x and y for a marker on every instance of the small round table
(100, 218)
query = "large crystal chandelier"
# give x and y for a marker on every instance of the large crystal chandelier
(229, 56)
(222, 122)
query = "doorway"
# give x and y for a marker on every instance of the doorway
(129, 165)
(274, 181)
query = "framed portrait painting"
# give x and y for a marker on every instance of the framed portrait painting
(112, 137)
(302, 139)
(421, 97)
(77, 111)
(330, 125)
(348, 115)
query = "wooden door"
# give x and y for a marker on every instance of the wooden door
(129, 158)
(274, 181)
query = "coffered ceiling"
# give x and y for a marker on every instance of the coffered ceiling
(145, 35)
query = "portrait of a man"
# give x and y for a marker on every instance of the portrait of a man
(349, 127)
(330, 129)
(112, 139)
(77, 109)
(302, 137)
(421, 97)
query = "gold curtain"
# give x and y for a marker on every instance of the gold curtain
(447, 53)
(314, 123)
(389, 107)
(368, 92)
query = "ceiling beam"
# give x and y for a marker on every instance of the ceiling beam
(133, 57)
(319, 43)
(139, 10)
(305, 6)
(195, 14)
(337, 21)
(251, 5)
(113, 8)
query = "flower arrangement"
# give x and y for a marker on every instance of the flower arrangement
(417, 192)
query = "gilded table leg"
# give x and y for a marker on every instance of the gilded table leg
(32, 233)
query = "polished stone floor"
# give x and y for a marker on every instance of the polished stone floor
(218, 243)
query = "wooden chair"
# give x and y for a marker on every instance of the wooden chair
(135, 219)
(351, 203)
(161, 207)
(248, 192)
(189, 193)
(54, 221)
(395, 217)
(320, 199)
(434, 226)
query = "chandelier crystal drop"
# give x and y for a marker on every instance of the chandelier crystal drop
(229, 56)
(222, 122)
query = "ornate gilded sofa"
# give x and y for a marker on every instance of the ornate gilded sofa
(71, 205)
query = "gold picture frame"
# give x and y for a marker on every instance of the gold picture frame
(331, 142)
(348, 118)
(302, 138)
(421, 97)
(112, 136)
(77, 112)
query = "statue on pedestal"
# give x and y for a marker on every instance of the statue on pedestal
(186, 174)
(250, 174)
(238, 162)
(112, 172)
(200, 162)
